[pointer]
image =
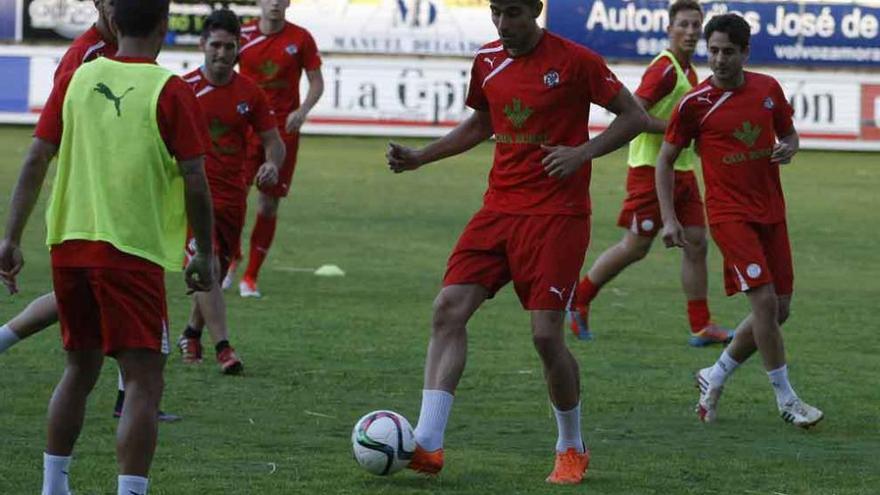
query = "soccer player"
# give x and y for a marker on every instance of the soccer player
(41, 313)
(742, 125)
(532, 90)
(116, 220)
(274, 54)
(668, 77)
(232, 106)
(98, 41)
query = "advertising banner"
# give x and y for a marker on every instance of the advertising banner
(425, 96)
(791, 32)
(66, 19)
(398, 27)
(8, 19)
(411, 27)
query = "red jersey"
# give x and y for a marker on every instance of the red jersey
(230, 111)
(276, 62)
(736, 130)
(87, 47)
(660, 79)
(182, 128)
(542, 97)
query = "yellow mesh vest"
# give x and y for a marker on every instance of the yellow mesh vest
(643, 150)
(116, 180)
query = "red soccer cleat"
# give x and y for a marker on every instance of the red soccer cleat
(428, 463)
(190, 349)
(229, 362)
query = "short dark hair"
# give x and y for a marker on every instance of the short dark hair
(680, 5)
(736, 28)
(224, 19)
(139, 18)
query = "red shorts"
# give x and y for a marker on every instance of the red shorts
(228, 224)
(256, 157)
(541, 254)
(112, 309)
(755, 255)
(641, 208)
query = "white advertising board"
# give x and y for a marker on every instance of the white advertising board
(411, 27)
(419, 96)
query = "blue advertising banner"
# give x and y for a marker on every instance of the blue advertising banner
(808, 33)
(8, 18)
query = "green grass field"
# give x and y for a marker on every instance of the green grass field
(320, 352)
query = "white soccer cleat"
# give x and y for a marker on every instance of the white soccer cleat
(247, 288)
(799, 413)
(709, 396)
(227, 281)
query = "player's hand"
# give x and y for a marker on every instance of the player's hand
(267, 175)
(673, 234)
(11, 261)
(200, 273)
(295, 120)
(782, 153)
(401, 158)
(562, 161)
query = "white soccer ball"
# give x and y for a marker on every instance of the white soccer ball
(383, 442)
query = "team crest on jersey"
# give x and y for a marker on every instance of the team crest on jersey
(243, 108)
(768, 103)
(291, 49)
(551, 78)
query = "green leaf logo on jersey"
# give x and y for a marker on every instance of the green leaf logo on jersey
(108, 93)
(218, 129)
(269, 69)
(748, 134)
(516, 113)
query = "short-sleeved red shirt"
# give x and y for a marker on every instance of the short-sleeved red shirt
(660, 79)
(87, 47)
(736, 131)
(231, 112)
(542, 97)
(182, 128)
(276, 63)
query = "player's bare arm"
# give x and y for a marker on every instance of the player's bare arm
(786, 148)
(470, 132)
(316, 88)
(655, 125)
(199, 212)
(673, 232)
(27, 190)
(631, 120)
(267, 175)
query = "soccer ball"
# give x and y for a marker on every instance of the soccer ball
(383, 442)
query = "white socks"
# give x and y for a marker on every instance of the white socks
(569, 425)
(55, 474)
(779, 379)
(132, 485)
(721, 370)
(436, 405)
(7, 338)
(121, 381)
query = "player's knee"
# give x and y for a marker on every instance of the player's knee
(697, 248)
(636, 247)
(548, 344)
(449, 314)
(764, 302)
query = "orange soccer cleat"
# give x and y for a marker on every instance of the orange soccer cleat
(711, 334)
(570, 467)
(424, 462)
